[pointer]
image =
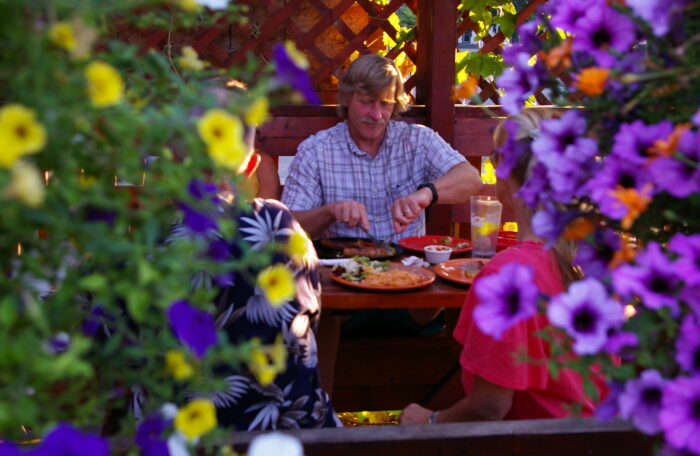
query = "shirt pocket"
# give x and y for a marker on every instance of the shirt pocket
(400, 190)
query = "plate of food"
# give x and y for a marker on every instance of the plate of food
(460, 270)
(369, 274)
(418, 243)
(344, 247)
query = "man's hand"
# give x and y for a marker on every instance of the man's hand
(406, 209)
(415, 414)
(350, 213)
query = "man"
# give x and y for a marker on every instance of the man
(371, 173)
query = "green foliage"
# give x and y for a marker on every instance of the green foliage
(90, 243)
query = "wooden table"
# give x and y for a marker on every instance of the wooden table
(441, 293)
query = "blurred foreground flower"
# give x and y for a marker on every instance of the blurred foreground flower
(177, 365)
(62, 440)
(291, 67)
(194, 327)
(61, 34)
(223, 134)
(190, 59)
(196, 418)
(20, 133)
(105, 84)
(277, 444)
(26, 185)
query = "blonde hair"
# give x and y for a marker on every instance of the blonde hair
(528, 121)
(372, 74)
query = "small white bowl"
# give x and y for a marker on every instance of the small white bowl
(437, 253)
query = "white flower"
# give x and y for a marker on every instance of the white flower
(277, 444)
(213, 4)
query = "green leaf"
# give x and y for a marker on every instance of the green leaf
(8, 311)
(137, 303)
(93, 282)
(507, 23)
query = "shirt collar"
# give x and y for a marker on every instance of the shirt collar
(389, 137)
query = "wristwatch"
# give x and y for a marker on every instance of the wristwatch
(433, 417)
(431, 186)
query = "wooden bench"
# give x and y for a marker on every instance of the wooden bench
(554, 437)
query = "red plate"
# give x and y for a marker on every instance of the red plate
(417, 243)
(456, 270)
(426, 277)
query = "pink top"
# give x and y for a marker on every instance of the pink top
(537, 394)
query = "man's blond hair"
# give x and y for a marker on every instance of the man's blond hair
(372, 74)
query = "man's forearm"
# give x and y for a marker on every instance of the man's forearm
(458, 184)
(314, 221)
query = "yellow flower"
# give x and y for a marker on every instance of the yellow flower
(223, 133)
(591, 81)
(297, 248)
(277, 282)
(62, 35)
(260, 366)
(296, 55)
(196, 418)
(105, 84)
(488, 172)
(467, 88)
(487, 228)
(20, 134)
(188, 5)
(26, 185)
(190, 59)
(177, 365)
(257, 112)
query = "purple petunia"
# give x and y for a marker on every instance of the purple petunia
(564, 139)
(603, 29)
(549, 222)
(679, 178)
(218, 250)
(569, 178)
(529, 43)
(620, 343)
(688, 344)
(609, 408)
(617, 173)
(202, 190)
(536, 188)
(290, 73)
(97, 317)
(511, 150)
(586, 313)
(567, 13)
(149, 436)
(519, 82)
(679, 417)
(641, 401)
(658, 13)
(653, 279)
(62, 440)
(194, 327)
(197, 221)
(594, 257)
(505, 298)
(687, 265)
(696, 119)
(633, 140)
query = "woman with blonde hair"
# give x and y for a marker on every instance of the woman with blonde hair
(498, 382)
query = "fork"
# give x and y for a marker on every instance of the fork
(471, 266)
(383, 244)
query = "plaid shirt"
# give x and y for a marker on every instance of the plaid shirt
(329, 167)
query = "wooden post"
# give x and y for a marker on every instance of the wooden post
(437, 24)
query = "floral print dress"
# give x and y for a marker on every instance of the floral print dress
(295, 398)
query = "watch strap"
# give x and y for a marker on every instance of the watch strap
(431, 186)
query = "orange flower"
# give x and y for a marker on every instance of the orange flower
(579, 228)
(625, 254)
(591, 81)
(666, 147)
(635, 202)
(467, 88)
(558, 57)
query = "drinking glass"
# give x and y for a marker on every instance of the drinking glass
(485, 221)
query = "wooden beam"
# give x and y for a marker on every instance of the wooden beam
(553, 437)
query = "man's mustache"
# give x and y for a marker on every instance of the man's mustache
(381, 121)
